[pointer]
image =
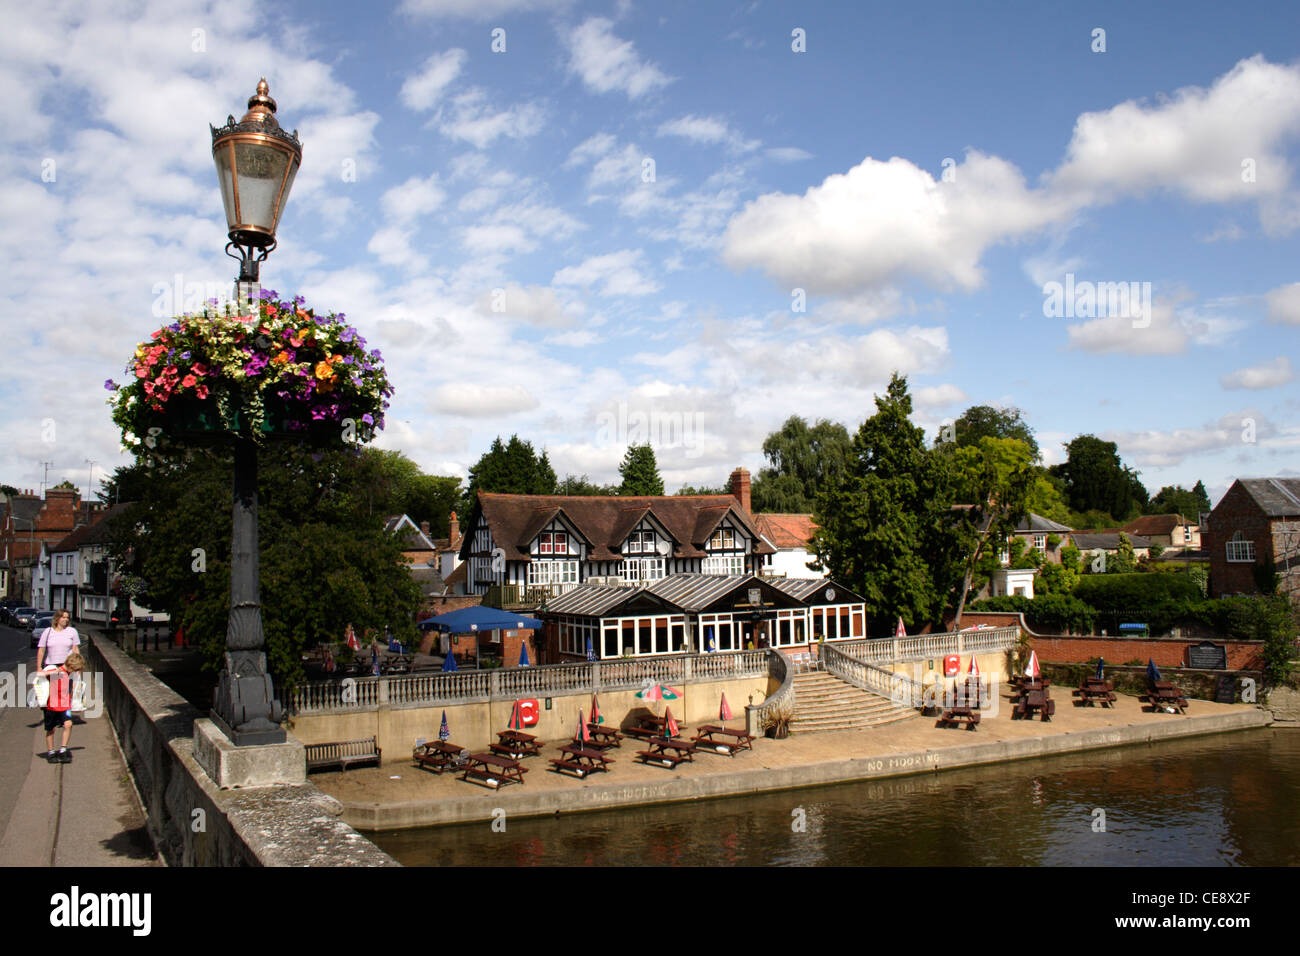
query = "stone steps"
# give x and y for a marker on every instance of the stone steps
(824, 702)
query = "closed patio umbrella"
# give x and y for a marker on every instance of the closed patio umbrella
(1153, 672)
(596, 716)
(670, 726)
(449, 662)
(583, 735)
(1101, 663)
(523, 654)
(444, 732)
(516, 717)
(1032, 669)
(724, 712)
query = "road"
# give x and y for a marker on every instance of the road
(80, 814)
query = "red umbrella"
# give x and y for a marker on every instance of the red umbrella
(351, 637)
(670, 726)
(725, 713)
(900, 631)
(583, 735)
(596, 716)
(516, 717)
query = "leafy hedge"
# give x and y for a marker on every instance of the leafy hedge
(1045, 613)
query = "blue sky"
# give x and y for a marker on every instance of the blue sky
(661, 221)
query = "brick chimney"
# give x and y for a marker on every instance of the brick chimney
(740, 487)
(424, 526)
(453, 532)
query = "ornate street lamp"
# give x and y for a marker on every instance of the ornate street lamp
(256, 163)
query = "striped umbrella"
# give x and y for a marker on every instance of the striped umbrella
(516, 717)
(1032, 669)
(670, 726)
(596, 716)
(725, 712)
(583, 735)
(444, 732)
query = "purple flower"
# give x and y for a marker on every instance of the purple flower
(348, 360)
(110, 385)
(368, 418)
(348, 334)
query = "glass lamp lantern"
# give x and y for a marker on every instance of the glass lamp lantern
(256, 164)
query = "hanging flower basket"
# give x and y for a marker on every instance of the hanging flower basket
(281, 373)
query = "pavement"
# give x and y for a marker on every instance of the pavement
(84, 813)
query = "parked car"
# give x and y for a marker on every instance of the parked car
(43, 620)
(24, 616)
(7, 608)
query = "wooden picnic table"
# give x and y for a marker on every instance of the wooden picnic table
(650, 726)
(1034, 697)
(1093, 690)
(667, 752)
(516, 744)
(732, 740)
(1161, 694)
(437, 755)
(494, 771)
(603, 737)
(956, 716)
(580, 760)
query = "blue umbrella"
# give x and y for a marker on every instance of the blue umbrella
(444, 732)
(591, 653)
(479, 618)
(449, 662)
(710, 644)
(1153, 672)
(1101, 662)
(523, 654)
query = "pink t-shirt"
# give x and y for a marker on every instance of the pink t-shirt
(58, 644)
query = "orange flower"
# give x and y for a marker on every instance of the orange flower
(280, 359)
(323, 370)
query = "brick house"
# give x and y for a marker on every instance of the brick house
(1255, 525)
(1168, 531)
(32, 526)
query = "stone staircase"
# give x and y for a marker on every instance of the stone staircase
(824, 702)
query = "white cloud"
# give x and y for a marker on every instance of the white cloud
(1265, 375)
(534, 305)
(617, 274)
(1164, 334)
(936, 396)
(468, 400)
(1284, 304)
(787, 154)
(882, 222)
(414, 198)
(496, 239)
(474, 121)
(479, 9)
(1162, 449)
(1194, 142)
(423, 90)
(607, 64)
(708, 130)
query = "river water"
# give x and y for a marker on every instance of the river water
(1223, 800)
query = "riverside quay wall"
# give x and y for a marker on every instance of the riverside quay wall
(191, 821)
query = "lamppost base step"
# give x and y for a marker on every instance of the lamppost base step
(230, 765)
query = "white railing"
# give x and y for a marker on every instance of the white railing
(922, 647)
(899, 688)
(551, 680)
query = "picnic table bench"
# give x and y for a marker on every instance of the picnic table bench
(580, 760)
(1094, 691)
(437, 755)
(494, 771)
(650, 726)
(956, 716)
(1034, 697)
(603, 736)
(343, 753)
(707, 739)
(516, 744)
(1161, 694)
(666, 752)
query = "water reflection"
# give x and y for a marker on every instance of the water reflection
(1227, 800)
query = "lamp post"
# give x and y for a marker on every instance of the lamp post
(256, 164)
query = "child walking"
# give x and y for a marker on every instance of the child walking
(58, 708)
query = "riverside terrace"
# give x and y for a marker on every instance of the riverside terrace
(398, 711)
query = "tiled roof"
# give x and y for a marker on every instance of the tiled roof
(1276, 497)
(786, 530)
(604, 521)
(1106, 540)
(1037, 524)
(1155, 524)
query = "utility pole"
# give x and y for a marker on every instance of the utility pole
(46, 480)
(90, 478)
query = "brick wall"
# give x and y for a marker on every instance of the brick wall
(1236, 511)
(1165, 651)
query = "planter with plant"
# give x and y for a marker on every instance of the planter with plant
(776, 721)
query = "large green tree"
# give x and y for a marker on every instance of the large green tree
(984, 421)
(993, 480)
(876, 521)
(640, 472)
(1177, 500)
(803, 461)
(1096, 480)
(510, 468)
(326, 561)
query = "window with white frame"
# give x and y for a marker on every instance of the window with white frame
(541, 573)
(724, 564)
(723, 539)
(643, 569)
(553, 542)
(1040, 543)
(642, 542)
(1241, 548)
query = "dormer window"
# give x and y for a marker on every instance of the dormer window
(553, 542)
(724, 539)
(641, 542)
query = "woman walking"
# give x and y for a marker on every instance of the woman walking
(57, 642)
